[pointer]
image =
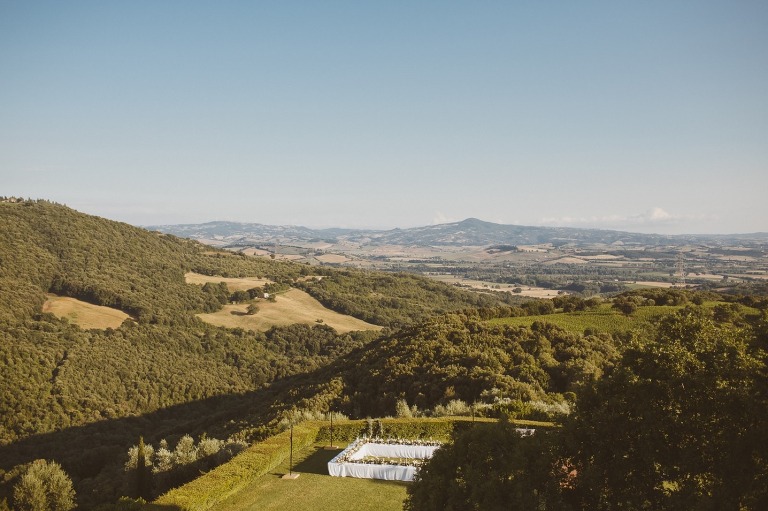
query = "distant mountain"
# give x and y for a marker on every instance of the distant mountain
(469, 232)
(234, 232)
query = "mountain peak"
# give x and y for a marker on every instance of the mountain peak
(472, 221)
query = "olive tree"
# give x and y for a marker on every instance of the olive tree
(44, 487)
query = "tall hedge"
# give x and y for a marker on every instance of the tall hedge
(225, 480)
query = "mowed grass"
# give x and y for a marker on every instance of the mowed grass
(293, 306)
(315, 490)
(603, 319)
(83, 314)
(233, 284)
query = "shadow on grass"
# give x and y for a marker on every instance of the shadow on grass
(317, 461)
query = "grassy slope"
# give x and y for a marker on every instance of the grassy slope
(83, 314)
(233, 284)
(293, 306)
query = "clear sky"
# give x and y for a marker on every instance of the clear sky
(649, 116)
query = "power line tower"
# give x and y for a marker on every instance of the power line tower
(680, 269)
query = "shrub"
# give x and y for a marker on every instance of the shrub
(402, 410)
(455, 407)
(44, 487)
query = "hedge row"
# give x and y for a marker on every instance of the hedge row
(225, 480)
(229, 478)
(435, 429)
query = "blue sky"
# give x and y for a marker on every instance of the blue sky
(645, 116)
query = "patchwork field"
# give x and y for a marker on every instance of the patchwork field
(315, 489)
(529, 291)
(233, 284)
(83, 314)
(640, 284)
(293, 306)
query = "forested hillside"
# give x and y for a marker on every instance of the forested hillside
(395, 299)
(460, 357)
(63, 386)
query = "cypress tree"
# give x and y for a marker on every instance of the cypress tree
(142, 474)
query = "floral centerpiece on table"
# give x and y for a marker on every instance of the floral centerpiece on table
(348, 453)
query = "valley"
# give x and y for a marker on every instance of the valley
(225, 347)
(477, 254)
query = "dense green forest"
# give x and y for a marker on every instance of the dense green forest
(84, 397)
(395, 299)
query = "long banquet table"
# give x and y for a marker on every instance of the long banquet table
(383, 471)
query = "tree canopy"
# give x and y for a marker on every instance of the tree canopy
(678, 423)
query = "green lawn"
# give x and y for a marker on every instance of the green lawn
(315, 490)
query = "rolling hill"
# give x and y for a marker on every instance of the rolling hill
(469, 232)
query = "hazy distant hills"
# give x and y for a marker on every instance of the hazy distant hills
(469, 232)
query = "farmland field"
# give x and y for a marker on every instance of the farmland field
(332, 258)
(315, 489)
(528, 291)
(293, 306)
(83, 314)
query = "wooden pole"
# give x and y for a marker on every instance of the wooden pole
(290, 474)
(331, 447)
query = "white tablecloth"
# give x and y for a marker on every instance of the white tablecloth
(369, 471)
(372, 471)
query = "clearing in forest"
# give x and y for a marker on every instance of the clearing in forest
(83, 314)
(233, 284)
(293, 306)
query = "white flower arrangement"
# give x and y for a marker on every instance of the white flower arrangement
(346, 456)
